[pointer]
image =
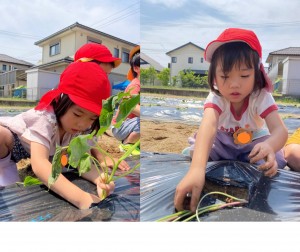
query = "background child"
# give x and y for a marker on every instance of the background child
(129, 132)
(99, 54)
(235, 113)
(63, 113)
(292, 151)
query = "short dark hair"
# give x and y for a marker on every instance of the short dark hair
(231, 54)
(62, 104)
(135, 61)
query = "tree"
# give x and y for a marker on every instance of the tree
(164, 76)
(148, 76)
(189, 79)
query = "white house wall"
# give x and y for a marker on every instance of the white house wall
(182, 56)
(39, 82)
(291, 76)
(67, 48)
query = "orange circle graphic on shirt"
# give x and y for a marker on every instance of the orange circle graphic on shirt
(244, 137)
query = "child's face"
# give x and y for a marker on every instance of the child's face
(107, 67)
(137, 70)
(236, 85)
(77, 119)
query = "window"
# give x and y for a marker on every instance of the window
(190, 60)
(4, 67)
(125, 57)
(201, 60)
(9, 68)
(116, 52)
(54, 49)
(94, 40)
(174, 59)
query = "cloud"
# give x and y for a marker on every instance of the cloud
(174, 4)
(202, 21)
(41, 18)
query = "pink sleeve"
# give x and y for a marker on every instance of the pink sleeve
(40, 127)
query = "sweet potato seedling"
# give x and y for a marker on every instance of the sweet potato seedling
(78, 153)
(187, 215)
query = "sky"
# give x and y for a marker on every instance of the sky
(25, 22)
(168, 24)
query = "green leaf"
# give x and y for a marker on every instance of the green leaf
(77, 149)
(85, 164)
(28, 181)
(108, 108)
(105, 121)
(125, 109)
(56, 166)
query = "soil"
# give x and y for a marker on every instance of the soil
(166, 137)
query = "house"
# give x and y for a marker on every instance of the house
(188, 57)
(147, 62)
(12, 74)
(283, 70)
(58, 50)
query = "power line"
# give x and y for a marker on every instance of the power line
(119, 18)
(114, 14)
(14, 34)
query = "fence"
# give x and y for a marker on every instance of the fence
(32, 94)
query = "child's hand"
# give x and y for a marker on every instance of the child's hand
(103, 188)
(122, 166)
(192, 183)
(264, 151)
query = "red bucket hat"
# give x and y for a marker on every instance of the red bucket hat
(93, 51)
(85, 83)
(238, 35)
(133, 52)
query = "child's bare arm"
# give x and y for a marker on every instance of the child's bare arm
(267, 149)
(194, 180)
(63, 187)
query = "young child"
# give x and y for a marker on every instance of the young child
(129, 132)
(235, 113)
(97, 53)
(93, 52)
(292, 151)
(63, 113)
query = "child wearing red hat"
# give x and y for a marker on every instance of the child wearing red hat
(73, 108)
(97, 53)
(129, 132)
(240, 120)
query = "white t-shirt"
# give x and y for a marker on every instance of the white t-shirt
(255, 108)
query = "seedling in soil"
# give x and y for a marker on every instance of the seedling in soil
(77, 153)
(187, 215)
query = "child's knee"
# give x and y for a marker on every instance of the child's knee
(6, 141)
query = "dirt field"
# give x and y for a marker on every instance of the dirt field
(165, 137)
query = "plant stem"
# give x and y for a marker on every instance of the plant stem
(125, 155)
(172, 215)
